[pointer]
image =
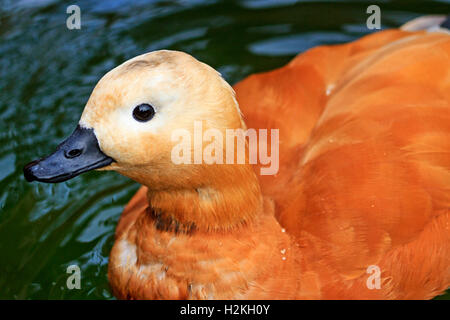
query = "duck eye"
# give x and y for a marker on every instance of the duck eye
(143, 112)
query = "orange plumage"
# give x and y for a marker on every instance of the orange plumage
(364, 180)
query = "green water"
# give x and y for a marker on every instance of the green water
(47, 73)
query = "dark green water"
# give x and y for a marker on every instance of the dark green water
(47, 73)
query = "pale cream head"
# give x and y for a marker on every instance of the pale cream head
(181, 90)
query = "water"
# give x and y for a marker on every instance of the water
(47, 73)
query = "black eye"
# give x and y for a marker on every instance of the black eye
(143, 112)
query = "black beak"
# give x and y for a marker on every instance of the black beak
(77, 154)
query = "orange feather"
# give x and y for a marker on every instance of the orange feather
(364, 180)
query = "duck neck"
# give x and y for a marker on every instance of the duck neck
(231, 200)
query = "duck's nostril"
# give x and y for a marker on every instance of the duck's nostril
(73, 153)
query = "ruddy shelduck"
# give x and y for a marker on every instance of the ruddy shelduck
(360, 206)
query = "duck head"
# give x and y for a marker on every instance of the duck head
(129, 119)
(128, 125)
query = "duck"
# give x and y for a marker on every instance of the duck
(359, 207)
